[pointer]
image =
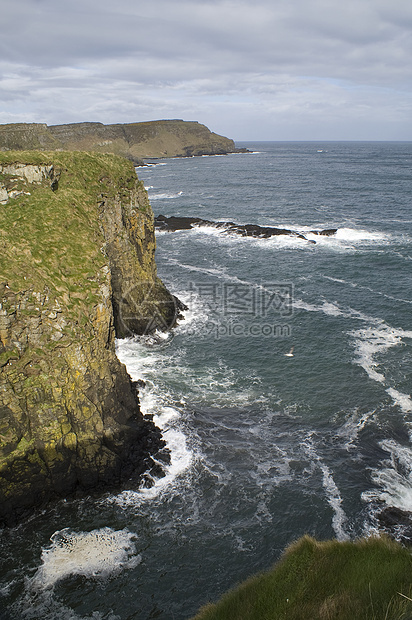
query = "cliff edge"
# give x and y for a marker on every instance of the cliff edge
(76, 268)
(135, 141)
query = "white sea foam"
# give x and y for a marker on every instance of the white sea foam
(331, 309)
(282, 242)
(374, 341)
(394, 479)
(181, 460)
(164, 196)
(360, 235)
(333, 496)
(211, 231)
(344, 240)
(196, 316)
(326, 307)
(340, 281)
(404, 401)
(99, 553)
(144, 363)
(335, 502)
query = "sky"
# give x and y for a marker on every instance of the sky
(248, 69)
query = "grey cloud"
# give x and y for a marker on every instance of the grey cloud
(247, 34)
(317, 60)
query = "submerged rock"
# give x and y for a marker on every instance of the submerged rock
(76, 269)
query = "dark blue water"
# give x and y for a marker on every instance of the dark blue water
(265, 446)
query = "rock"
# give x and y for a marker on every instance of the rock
(4, 196)
(21, 176)
(397, 523)
(173, 223)
(139, 384)
(329, 232)
(70, 420)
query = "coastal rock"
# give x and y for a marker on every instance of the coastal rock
(397, 523)
(328, 232)
(135, 141)
(74, 262)
(174, 223)
(19, 175)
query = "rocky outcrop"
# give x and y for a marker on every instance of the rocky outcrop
(173, 223)
(16, 177)
(76, 267)
(135, 141)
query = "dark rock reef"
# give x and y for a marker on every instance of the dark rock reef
(135, 141)
(76, 268)
(173, 223)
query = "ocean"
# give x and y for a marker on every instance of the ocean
(284, 394)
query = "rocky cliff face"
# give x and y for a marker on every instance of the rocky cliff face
(135, 141)
(77, 263)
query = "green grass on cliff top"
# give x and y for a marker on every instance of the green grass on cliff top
(369, 579)
(53, 238)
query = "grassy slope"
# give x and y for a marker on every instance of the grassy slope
(58, 231)
(332, 580)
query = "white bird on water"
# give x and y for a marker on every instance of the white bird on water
(290, 354)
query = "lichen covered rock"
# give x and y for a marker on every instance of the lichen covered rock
(73, 258)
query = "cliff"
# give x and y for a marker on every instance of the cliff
(76, 267)
(135, 141)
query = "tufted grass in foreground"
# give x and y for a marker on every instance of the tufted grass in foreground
(370, 579)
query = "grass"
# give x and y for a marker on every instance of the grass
(369, 579)
(54, 238)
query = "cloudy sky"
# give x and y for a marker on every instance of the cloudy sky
(248, 69)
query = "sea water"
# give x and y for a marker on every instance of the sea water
(284, 395)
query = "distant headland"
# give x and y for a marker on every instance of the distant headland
(135, 141)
